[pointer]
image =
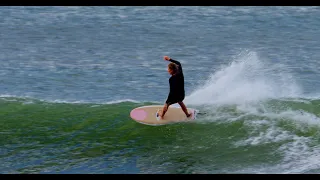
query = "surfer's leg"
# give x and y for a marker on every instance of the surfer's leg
(184, 108)
(164, 110)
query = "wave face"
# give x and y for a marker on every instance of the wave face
(272, 136)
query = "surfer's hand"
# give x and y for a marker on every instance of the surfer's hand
(166, 58)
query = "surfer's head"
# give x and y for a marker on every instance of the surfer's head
(172, 68)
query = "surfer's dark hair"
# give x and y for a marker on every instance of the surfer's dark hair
(173, 67)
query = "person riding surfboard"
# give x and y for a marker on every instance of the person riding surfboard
(177, 92)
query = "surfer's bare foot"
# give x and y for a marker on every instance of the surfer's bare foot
(189, 115)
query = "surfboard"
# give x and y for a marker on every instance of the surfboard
(149, 115)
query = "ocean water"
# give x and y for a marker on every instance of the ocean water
(71, 75)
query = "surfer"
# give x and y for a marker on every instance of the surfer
(177, 92)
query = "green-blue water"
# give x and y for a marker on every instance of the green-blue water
(42, 137)
(71, 75)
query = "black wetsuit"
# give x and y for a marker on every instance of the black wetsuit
(176, 82)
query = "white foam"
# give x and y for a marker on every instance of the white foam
(271, 135)
(29, 100)
(298, 157)
(297, 152)
(247, 79)
(6, 95)
(90, 102)
(121, 101)
(14, 96)
(304, 119)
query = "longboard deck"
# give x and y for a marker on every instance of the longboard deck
(148, 115)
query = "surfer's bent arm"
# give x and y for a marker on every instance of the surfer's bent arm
(176, 62)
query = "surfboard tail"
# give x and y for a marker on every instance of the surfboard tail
(195, 114)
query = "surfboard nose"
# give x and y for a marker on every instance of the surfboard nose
(138, 114)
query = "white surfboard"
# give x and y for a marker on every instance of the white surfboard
(149, 115)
